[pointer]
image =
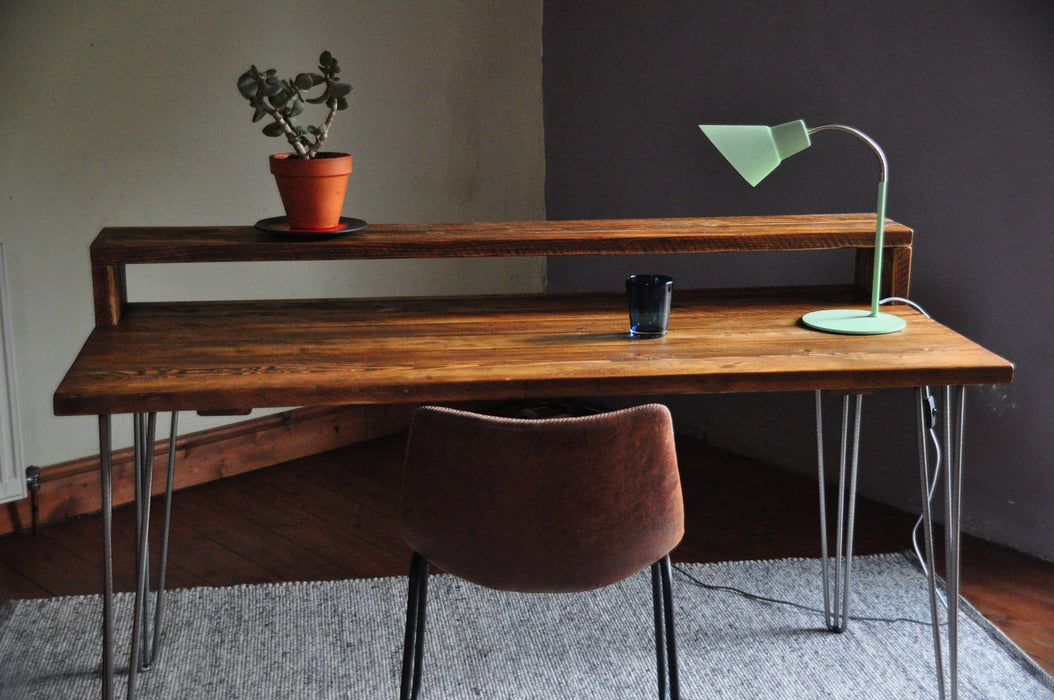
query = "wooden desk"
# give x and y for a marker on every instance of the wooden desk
(218, 356)
(142, 358)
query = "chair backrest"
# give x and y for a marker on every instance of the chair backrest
(557, 504)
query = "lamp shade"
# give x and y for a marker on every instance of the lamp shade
(755, 151)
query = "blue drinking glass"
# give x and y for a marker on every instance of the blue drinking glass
(649, 299)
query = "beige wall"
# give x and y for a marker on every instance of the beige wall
(126, 113)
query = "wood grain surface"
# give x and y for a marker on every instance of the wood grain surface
(130, 245)
(236, 355)
(114, 248)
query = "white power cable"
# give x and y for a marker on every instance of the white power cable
(932, 486)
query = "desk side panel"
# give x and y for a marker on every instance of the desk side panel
(110, 293)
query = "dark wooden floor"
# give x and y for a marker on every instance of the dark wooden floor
(334, 516)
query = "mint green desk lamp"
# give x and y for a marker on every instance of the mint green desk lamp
(755, 151)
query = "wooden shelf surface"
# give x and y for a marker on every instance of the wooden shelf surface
(119, 246)
(115, 248)
(218, 356)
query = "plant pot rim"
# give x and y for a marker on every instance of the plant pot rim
(324, 164)
(321, 155)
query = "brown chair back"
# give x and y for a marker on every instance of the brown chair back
(558, 504)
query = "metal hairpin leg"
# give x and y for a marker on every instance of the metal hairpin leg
(146, 647)
(836, 588)
(105, 477)
(953, 411)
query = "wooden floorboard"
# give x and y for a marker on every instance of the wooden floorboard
(334, 515)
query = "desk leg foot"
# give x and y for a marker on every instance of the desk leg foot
(836, 584)
(954, 413)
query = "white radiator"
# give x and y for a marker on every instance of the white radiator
(12, 470)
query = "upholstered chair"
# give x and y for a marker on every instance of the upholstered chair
(542, 505)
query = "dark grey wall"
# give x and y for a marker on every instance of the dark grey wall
(960, 96)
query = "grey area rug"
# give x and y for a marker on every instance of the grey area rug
(343, 640)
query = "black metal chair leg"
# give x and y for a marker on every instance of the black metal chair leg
(419, 646)
(660, 647)
(671, 636)
(414, 642)
(665, 636)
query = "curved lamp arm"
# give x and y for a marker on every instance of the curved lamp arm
(880, 209)
(863, 137)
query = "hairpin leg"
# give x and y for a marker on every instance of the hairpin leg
(954, 415)
(159, 611)
(836, 587)
(105, 478)
(146, 647)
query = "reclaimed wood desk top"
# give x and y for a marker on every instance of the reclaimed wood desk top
(215, 356)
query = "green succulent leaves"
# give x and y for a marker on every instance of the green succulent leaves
(283, 100)
(273, 129)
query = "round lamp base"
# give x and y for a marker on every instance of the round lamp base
(852, 322)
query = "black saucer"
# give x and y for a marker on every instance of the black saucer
(280, 225)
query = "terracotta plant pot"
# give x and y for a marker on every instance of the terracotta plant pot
(312, 189)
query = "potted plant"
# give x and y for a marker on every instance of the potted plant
(311, 182)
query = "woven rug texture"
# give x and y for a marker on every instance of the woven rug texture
(343, 639)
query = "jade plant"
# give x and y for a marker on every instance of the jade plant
(284, 100)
